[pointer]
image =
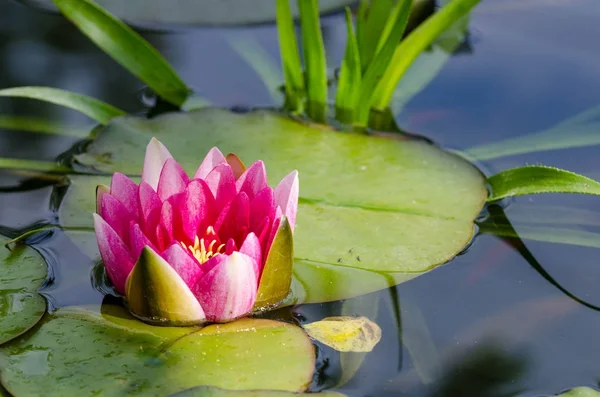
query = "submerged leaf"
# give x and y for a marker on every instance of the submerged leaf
(126, 47)
(346, 334)
(22, 273)
(539, 179)
(578, 131)
(91, 107)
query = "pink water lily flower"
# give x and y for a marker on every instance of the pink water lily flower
(208, 248)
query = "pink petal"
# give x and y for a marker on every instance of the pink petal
(273, 231)
(197, 209)
(138, 240)
(126, 191)
(262, 206)
(251, 247)
(212, 159)
(222, 184)
(156, 156)
(286, 196)
(234, 220)
(184, 264)
(253, 180)
(228, 291)
(115, 255)
(173, 180)
(170, 221)
(149, 203)
(116, 215)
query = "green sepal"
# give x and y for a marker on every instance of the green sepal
(276, 277)
(157, 294)
(100, 191)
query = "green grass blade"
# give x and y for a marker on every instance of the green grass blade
(348, 86)
(40, 125)
(361, 22)
(290, 58)
(126, 47)
(415, 43)
(314, 59)
(539, 179)
(578, 131)
(375, 21)
(381, 62)
(91, 107)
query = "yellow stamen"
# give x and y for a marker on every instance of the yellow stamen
(199, 250)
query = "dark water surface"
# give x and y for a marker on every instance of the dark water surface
(485, 325)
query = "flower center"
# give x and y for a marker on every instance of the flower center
(206, 247)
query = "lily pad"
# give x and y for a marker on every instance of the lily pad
(197, 12)
(580, 392)
(23, 272)
(373, 212)
(111, 352)
(346, 334)
(207, 391)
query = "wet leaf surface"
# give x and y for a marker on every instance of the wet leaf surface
(346, 334)
(110, 352)
(373, 211)
(22, 272)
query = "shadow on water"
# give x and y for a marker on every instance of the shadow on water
(508, 318)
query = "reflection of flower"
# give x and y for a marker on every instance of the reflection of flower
(192, 250)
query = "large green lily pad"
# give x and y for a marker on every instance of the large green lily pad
(197, 12)
(373, 211)
(83, 352)
(207, 391)
(22, 272)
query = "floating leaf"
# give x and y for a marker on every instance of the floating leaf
(346, 334)
(91, 107)
(539, 179)
(580, 392)
(116, 354)
(22, 272)
(367, 306)
(126, 47)
(207, 391)
(403, 206)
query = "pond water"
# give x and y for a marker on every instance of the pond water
(487, 324)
